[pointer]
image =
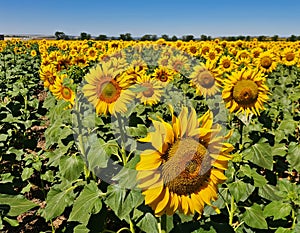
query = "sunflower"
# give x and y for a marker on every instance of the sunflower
(80, 60)
(152, 90)
(92, 54)
(163, 74)
(289, 56)
(226, 64)
(245, 91)
(33, 53)
(212, 55)
(60, 91)
(106, 90)
(185, 164)
(266, 61)
(178, 63)
(205, 78)
(48, 75)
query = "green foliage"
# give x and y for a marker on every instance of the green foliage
(61, 162)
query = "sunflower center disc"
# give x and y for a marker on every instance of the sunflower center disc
(162, 76)
(245, 92)
(290, 56)
(149, 92)
(206, 79)
(108, 91)
(226, 64)
(187, 167)
(66, 92)
(266, 62)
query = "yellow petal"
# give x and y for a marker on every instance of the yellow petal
(198, 205)
(183, 121)
(149, 160)
(218, 174)
(161, 205)
(149, 181)
(152, 194)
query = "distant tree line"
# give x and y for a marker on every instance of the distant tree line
(149, 37)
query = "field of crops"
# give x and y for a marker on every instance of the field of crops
(140, 136)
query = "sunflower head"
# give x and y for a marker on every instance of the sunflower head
(245, 91)
(186, 164)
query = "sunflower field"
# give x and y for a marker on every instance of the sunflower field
(139, 136)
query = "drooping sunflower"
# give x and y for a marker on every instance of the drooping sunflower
(266, 61)
(106, 90)
(205, 78)
(60, 91)
(245, 91)
(185, 165)
(153, 90)
(48, 75)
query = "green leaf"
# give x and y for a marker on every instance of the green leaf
(18, 204)
(71, 167)
(122, 202)
(259, 180)
(279, 150)
(277, 209)
(3, 137)
(26, 173)
(81, 229)
(268, 192)
(254, 217)
(288, 126)
(6, 178)
(89, 202)
(293, 156)
(240, 190)
(283, 230)
(260, 154)
(97, 156)
(57, 201)
(148, 224)
(12, 222)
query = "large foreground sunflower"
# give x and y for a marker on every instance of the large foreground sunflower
(186, 164)
(245, 91)
(106, 90)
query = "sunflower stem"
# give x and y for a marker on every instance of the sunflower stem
(123, 151)
(131, 226)
(81, 143)
(163, 224)
(294, 219)
(241, 133)
(231, 212)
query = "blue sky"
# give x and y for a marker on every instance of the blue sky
(209, 17)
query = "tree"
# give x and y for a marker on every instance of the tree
(126, 37)
(203, 37)
(165, 37)
(149, 37)
(101, 37)
(188, 38)
(60, 35)
(174, 38)
(84, 36)
(262, 38)
(275, 38)
(292, 38)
